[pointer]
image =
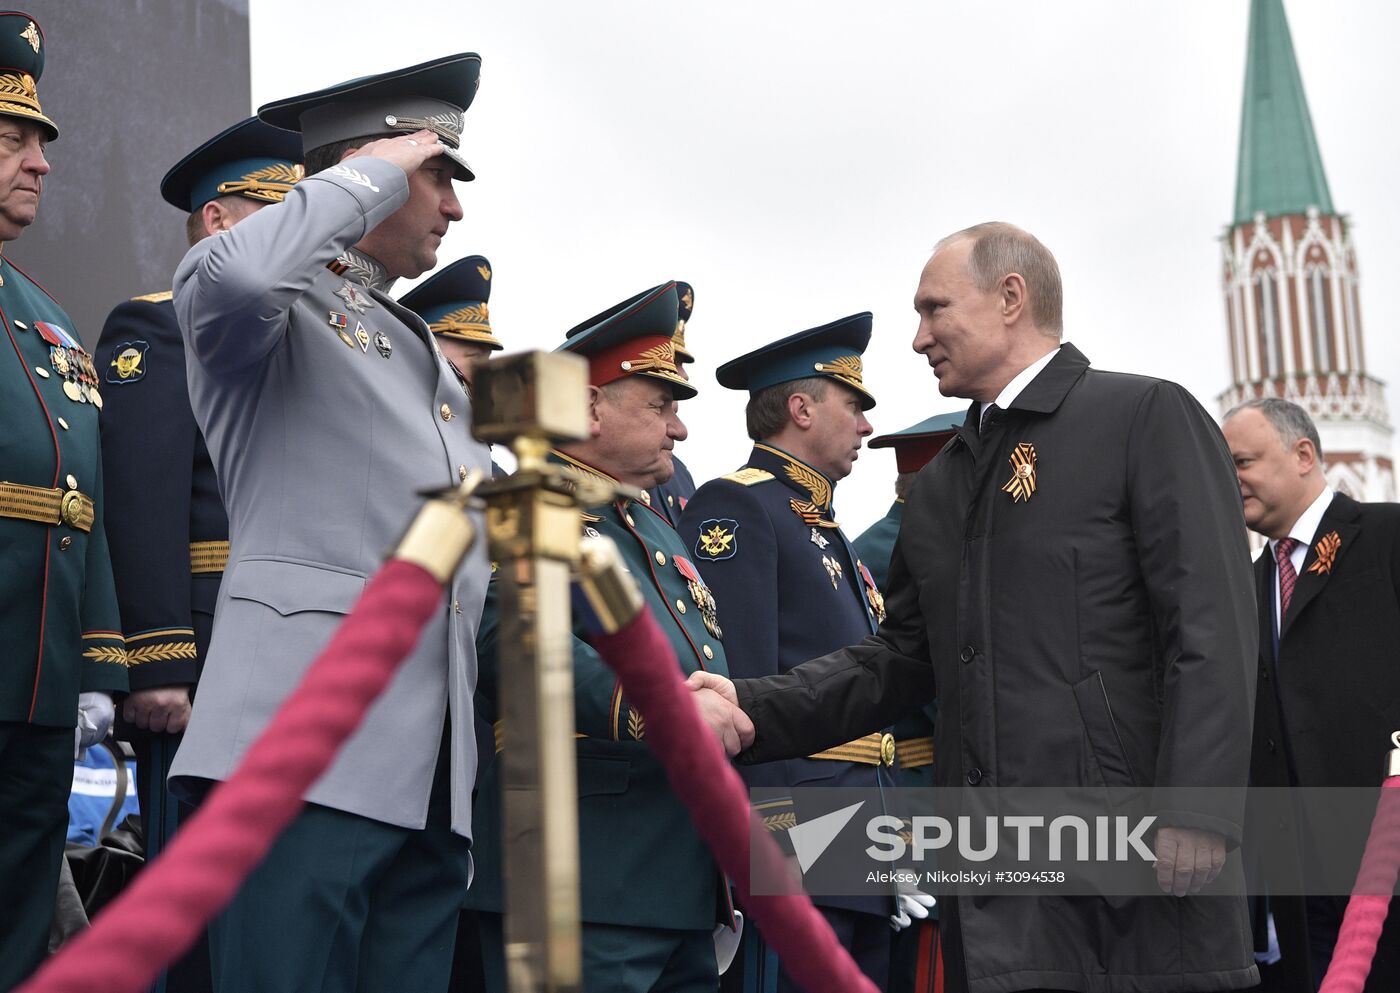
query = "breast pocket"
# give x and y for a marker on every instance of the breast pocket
(291, 587)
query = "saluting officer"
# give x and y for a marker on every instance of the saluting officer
(453, 302)
(788, 583)
(327, 407)
(649, 885)
(168, 529)
(915, 962)
(671, 496)
(64, 655)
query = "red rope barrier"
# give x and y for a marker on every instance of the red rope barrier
(1370, 898)
(702, 777)
(171, 901)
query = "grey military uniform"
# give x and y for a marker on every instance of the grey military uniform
(321, 436)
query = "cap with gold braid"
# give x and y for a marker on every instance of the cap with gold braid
(21, 65)
(251, 159)
(634, 338)
(453, 302)
(833, 350)
(685, 296)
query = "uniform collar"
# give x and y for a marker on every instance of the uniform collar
(795, 473)
(363, 269)
(583, 468)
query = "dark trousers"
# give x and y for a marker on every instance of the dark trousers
(622, 959)
(161, 814)
(36, 775)
(345, 904)
(865, 936)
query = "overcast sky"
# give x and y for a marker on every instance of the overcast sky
(796, 162)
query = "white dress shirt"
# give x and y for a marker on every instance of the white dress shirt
(1013, 389)
(1304, 530)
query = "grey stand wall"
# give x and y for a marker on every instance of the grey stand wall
(132, 85)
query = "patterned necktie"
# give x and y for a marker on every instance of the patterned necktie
(1287, 575)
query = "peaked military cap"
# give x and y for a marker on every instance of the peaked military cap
(252, 159)
(833, 350)
(633, 338)
(433, 95)
(453, 302)
(685, 296)
(915, 446)
(21, 65)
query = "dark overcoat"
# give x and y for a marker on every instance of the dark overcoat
(1328, 702)
(1099, 630)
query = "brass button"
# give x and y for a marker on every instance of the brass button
(646, 498)
(21, 325)
(660, 558)
(709, 652)
(456, 606)
(43, 373)
(630, 522)
(63, 424)
(446, 412)
(680, 606)
(887, 748)
(462, 472)
(72, 481)
(65, 543)
(670, 500)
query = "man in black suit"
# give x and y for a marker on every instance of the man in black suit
(1329, 687)
(1072, 577)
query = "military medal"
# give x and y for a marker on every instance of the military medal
(71, 391)
(872, 593)
(818, 539)
(700, 594)
(1022, 482)
(382, 342)
(833, 571)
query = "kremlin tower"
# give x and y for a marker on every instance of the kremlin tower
(1290, 275)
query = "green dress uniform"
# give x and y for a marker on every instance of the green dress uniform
(58, 610)
(651, 894)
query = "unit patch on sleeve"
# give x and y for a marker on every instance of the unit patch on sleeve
(718, 539)
(128, 363)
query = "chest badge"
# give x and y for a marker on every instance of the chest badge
(819, 539)
(718, 539)
(382, 342)
(362, 336)
(355, 301)
(833, 571)
(700, 594)
(1021, 485)
(1326, 549)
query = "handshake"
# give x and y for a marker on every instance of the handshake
(719, 706)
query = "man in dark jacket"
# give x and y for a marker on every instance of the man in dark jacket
(1329, 619)
(1073, 579)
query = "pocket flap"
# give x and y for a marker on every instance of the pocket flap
(1097, 715)
(293, 587)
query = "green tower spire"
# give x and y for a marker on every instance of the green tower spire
(1280, 169)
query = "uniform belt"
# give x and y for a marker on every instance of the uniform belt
(208, 556)
(881, 749)
(46, 506)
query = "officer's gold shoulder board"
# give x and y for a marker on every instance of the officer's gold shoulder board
(749, 476)
(160, 297)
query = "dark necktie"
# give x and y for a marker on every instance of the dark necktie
(1287, 575)
(986, 415)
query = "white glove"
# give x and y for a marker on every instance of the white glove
(727, 941)
(910, 904)
(95, 715)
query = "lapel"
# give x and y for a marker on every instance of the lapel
(1342, 516)
(1045, 393)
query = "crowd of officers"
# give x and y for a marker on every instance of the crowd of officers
(165, 529)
